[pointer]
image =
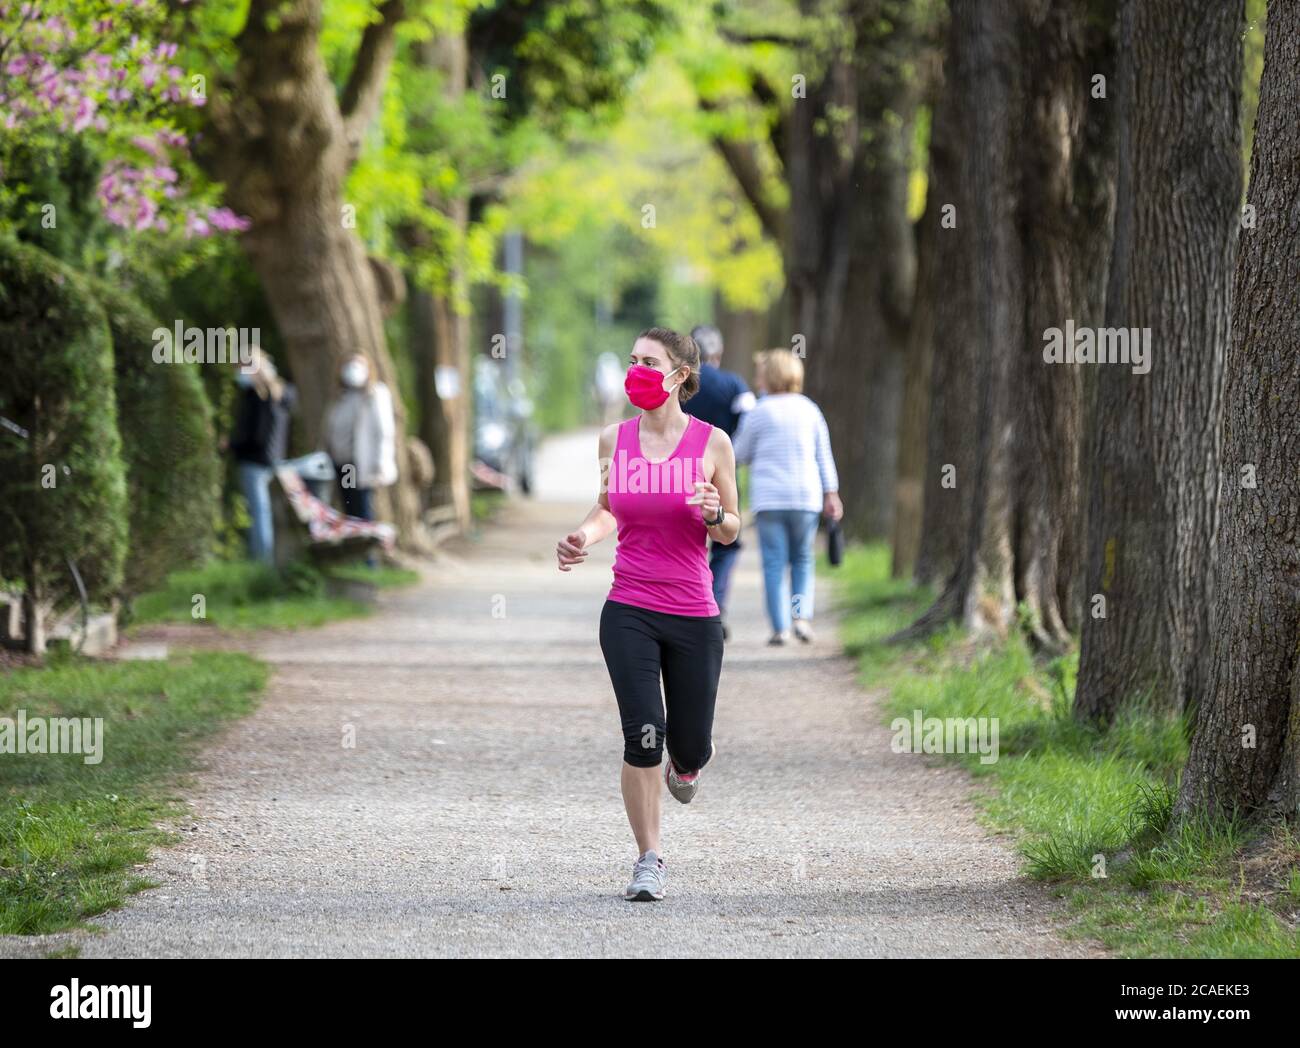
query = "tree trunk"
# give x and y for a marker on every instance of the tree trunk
(1245, 753)
(33, 618)
(850, 256)
(440, 331)
(1065, 221)
(440, 342)
(744, 333)
(948, 223)
(1155, 437)
(282, 143)
(981, 591)
(1026, 255)
(909, 486)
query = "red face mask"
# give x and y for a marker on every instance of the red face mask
(645, 387)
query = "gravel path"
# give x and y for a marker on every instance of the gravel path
(478, 812)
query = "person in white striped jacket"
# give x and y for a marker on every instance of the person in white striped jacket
(792, 481)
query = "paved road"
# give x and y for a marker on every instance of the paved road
(478, 814)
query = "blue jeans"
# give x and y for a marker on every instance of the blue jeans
(722, 558)
(785, 538)
(255, 483)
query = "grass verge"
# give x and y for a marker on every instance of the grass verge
(247, 595)
(1091, 812)
(72, 833)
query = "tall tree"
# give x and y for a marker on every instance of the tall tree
(1155, 437)
(438, 329)
(283, 140)
(850, 254)
(1065, 219)
(914, 411)
(1022, 230)
(946, 277)
(1245, 753)
(841, 136)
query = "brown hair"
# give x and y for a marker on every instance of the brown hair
(683, 351)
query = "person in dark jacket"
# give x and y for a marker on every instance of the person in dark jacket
(259, 441)
(721, 400)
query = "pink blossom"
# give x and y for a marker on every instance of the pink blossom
(149, 145)
(226, 220)
(85, 113)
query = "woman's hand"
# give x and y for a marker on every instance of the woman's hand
(707, 498)
(569, 550)
(832, 507)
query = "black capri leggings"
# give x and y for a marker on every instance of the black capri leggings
(640, 645)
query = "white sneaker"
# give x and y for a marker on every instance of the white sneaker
(684, 787)
(649, 875)
(803, 630)
(777, 639)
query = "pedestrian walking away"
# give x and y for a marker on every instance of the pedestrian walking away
(668, 484)
(792, 482)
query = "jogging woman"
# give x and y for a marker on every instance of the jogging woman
(668, 482)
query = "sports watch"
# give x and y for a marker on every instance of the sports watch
(722, 515)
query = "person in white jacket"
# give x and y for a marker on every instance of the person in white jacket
(360, 436)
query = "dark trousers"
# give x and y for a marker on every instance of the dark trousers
(722, 558)
(357, 502)
(641, 647)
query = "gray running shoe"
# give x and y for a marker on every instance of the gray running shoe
(648, 876)
(684, 787)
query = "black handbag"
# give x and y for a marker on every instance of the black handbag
(834, 542)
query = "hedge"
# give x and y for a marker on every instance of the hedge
(63, 490)
(168, 445)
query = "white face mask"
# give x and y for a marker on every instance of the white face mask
(355, 374)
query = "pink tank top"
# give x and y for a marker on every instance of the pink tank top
(662, 558)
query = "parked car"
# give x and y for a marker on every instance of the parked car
(505, 435)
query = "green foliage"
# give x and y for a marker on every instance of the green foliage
(95, 106)
(168, 446)
(58, 387)
(246, 595)
(1253, 70)
(568, 60)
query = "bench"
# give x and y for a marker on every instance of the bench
(306, 526)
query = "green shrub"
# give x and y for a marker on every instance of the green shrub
(168, 446)
(62, 491)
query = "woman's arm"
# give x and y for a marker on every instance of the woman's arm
(720, 492)
(386, 466)
(831, 505)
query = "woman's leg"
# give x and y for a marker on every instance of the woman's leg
(363, 506)
(803, 537)
(774, 547)
(255, 483)
(630, 643)
(355, 501)
(692, 661)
